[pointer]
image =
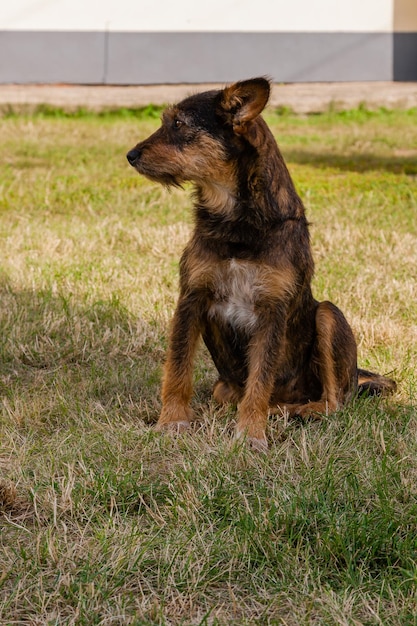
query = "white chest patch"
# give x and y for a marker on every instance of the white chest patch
(237, 289)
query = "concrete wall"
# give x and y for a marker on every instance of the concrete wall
(136, 42)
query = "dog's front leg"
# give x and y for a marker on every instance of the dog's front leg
(266, 351)
(176, 412)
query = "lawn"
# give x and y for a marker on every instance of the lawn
(102, 520)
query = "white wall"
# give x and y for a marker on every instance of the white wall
(192, 15)
(174, 41)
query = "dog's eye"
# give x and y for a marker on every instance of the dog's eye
(178, 123)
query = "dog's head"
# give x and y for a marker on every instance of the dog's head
(202, 137)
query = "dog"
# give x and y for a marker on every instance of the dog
(245, 274)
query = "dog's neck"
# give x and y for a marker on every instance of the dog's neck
(257, 188)
(262, 207)
(218, 197)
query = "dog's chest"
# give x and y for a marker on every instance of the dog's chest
(237, 287)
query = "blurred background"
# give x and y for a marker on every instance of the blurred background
(134, 42)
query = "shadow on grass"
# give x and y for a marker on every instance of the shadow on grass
(365, 162)
(60, 358)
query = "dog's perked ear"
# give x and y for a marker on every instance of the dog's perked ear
(241, 102)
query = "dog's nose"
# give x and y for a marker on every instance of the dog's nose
(133, 155)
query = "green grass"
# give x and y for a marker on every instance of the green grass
(104, 521)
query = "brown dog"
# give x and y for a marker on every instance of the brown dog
(245, 275)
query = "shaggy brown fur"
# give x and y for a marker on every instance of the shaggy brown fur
(245, 275)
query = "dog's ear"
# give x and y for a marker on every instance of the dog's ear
(243, 101)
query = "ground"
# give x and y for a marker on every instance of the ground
(300, 97)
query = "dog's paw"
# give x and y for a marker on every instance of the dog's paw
(173, 428)
(225, 393)
(174, 418)
(258, 444)
(314, 410)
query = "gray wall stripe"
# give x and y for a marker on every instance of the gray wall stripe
(191, 57)
(405, 56)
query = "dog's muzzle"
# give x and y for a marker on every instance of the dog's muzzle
(133, 156)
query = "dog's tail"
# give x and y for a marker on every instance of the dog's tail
(371, 384)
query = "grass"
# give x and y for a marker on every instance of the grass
(102, 520)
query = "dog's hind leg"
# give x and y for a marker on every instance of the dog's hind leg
(333, 361)
(228, 351)
(226, 392)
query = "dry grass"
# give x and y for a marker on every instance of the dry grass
(104, 521)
